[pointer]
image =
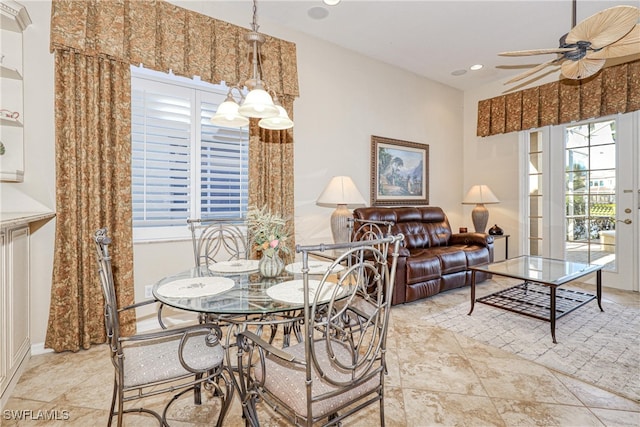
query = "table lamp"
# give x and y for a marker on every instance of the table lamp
(480, 195)
(342, 193)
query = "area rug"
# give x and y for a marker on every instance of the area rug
(600, 348)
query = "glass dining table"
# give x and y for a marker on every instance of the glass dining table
(235, 295)
(235, 288)
(234, 292)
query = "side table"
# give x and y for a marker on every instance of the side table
(506, 243)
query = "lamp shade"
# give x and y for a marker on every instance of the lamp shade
(341, 191)
(479, 194)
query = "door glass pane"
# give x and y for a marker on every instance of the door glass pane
(590, 197)
(535, 162)
(535, 211)
(535, 207)
(535, 228)
(535, 247)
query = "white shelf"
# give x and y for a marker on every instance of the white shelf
(14, 16)
(10, 73)
(15, 219)
(12, 176)
(14, 19)
(8, 121)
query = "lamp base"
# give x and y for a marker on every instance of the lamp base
(480, 217)
(339, 224)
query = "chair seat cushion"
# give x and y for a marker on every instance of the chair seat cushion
(286, 381)
(158, 360)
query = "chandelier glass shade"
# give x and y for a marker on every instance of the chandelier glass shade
(227, 114)
(258, 103)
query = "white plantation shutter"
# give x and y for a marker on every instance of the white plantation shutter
(183, 166)
(223, 168)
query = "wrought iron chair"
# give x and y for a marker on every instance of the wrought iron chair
(171, 360)
(217, 240)
(368, 230)
(339, 367)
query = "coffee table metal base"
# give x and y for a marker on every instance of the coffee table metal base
(539, 300)
(534, 300)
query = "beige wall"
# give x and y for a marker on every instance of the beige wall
(344, 99)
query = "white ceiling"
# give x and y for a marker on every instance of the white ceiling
(429, 37)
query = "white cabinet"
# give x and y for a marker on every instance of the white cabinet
(15, 20)
(15, 343)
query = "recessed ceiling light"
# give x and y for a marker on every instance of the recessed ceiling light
(458, 72)
(331, 2)
(318, 12)
(476, 67)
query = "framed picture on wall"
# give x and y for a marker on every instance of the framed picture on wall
(399, 172)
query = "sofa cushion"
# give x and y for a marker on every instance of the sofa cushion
(476, 255)
(422, 265)
(415, 234)
(452, 259)
(422, 227)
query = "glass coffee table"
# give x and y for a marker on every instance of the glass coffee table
(539, 295)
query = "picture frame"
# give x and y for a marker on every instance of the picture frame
(399, 172)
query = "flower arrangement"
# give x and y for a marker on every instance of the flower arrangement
(267, 230)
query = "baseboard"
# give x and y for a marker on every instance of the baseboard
(38, 348)
(143, 325)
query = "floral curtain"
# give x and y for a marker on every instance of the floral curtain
(93, 151)
(613, 90)
(94, 43)
(271, 172)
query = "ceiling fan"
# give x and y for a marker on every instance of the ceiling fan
(610, 33)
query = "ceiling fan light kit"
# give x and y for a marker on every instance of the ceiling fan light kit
(583, 51)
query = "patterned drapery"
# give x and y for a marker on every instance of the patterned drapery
(163, 37)
(94, 43)
(271, 172)
(93, 189)
(613, 90)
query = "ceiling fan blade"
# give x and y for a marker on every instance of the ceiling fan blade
(530, 72)
(628, 45)
(536, 51)
(605, 27)
(581, 68)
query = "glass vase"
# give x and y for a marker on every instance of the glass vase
(271, 265)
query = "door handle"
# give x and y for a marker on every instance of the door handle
(626, 221)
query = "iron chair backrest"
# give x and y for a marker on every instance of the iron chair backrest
(216, 240)
(367, 268)
(363, 229)
(111, 320)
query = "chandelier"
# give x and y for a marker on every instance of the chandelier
(258, 103)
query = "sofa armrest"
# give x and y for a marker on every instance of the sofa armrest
(480, 239)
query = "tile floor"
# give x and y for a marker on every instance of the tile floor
(436, 378)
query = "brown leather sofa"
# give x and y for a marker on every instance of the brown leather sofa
(433, 259)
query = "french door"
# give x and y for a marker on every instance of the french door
(587, 175)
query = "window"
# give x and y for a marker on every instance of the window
(183, 166)
(536, 191)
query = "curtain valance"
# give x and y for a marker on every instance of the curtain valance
(162, 36)
(614, 90)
